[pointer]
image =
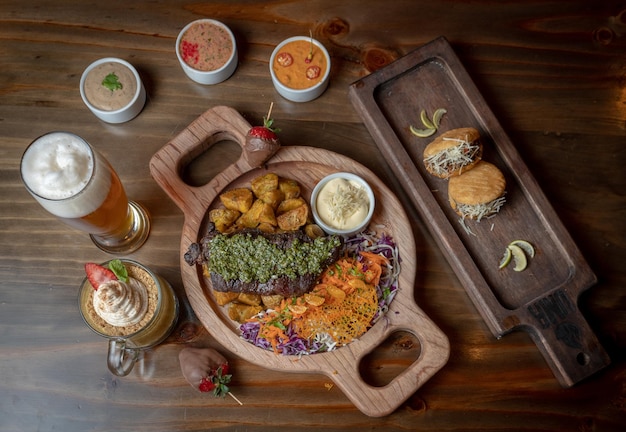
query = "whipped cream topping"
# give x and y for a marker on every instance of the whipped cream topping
(121, 304)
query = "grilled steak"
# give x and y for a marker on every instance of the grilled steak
(255, 262)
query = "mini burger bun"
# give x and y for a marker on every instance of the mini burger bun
(480, 185)
(449, 139)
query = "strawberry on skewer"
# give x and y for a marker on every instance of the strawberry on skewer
(261, 141)
(206, 370)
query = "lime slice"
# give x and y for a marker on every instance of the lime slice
(506, 259)
(525, 246)
(519, 257)
(422, 133)
(426, 121)
(437, 117)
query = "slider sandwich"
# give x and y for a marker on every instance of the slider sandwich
(453, 152)
(477, 193)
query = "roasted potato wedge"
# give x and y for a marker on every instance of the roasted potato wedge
(293, 219)
(290, 188)
(313, 231)
(272, 197)
(290, 204)
(241, 312)
(266, 228)
(259, 213)
(239, 199)
(249, 299)
(264, 183)
(223, 218)
(223, 298)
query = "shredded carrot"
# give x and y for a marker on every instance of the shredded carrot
(345, 302)
(375, 258)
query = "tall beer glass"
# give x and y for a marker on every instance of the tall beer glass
(71, 180)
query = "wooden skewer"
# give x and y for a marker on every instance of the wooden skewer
(235, 397)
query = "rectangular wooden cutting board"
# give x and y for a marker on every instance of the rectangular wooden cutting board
(542, 299)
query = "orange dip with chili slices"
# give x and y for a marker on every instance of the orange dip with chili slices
(292, 69)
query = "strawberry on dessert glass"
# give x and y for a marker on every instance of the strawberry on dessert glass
(131, 306)
(300, 68)
(207, 51)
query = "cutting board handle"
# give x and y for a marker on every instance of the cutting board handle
(217, 124)
(380, 401)
(564, 337)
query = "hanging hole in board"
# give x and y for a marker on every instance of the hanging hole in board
(211, 160)
(582, 359)
(389, 359)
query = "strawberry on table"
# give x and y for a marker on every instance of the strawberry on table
(206, 370)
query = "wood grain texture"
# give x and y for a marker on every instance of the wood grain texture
(553, 72)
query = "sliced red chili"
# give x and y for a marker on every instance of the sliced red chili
(313, 72)
(284, 59)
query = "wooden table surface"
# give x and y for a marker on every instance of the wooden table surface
(553, 72)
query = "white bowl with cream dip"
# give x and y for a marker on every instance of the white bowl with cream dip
(207, 51)
(112, 90)
(342, 203)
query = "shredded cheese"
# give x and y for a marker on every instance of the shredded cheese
(479, 211)
(452, 158)
(345, 201)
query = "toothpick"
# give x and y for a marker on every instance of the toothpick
(234, 397)
(269, 113)
(310, 56)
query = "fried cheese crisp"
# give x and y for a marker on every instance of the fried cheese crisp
(477, 193)
(453, 152)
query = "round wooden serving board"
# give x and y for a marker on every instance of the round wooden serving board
(307, 165)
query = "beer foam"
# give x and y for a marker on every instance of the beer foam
(58, 169)
(57, 166)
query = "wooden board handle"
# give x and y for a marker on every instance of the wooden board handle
(564, 337)
(380, 401)
(214, 125)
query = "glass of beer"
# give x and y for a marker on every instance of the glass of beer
(71, 180)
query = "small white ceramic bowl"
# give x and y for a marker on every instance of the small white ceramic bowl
(127, 112)
(213, 76)
(309, 93)
(327, 227)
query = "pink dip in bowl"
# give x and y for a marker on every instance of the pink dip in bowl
(207, 51)
(206, 46)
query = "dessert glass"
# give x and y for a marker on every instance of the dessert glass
(126, 343)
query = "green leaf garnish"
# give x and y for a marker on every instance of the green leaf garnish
(111, 81)
(119, 269)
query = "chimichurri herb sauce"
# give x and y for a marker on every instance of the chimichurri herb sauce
(247, 258)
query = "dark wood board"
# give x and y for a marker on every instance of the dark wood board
(542, 299)
(307, 165)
